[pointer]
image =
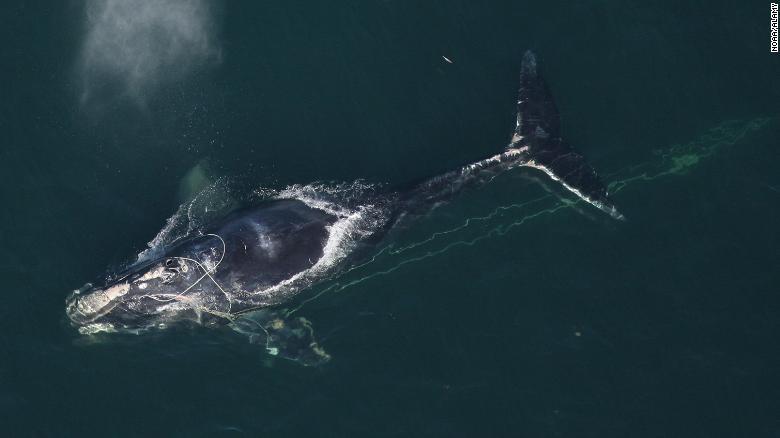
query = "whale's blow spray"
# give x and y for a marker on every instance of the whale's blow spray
(131, 47)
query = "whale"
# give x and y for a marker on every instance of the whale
(237, 270)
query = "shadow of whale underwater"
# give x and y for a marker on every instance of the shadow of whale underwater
(238, 269)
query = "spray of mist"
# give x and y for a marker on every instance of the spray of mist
(131, 47)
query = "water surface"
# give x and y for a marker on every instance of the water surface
(509, 312)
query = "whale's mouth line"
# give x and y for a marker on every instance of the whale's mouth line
(79, 317)
(90, 322)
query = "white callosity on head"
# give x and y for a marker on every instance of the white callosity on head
(152, 274)
(138, 44)
(96, 301)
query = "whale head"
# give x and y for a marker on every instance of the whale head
(153, 294)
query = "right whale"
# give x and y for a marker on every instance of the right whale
(241, 269)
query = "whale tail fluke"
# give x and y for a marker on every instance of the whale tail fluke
(537, 134)
(537, 114)
(536, 142)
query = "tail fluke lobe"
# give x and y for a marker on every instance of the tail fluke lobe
(536, 142)
(537, 134)
(537, 115)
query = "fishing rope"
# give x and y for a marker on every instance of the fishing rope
(272, 350)
(206, 273)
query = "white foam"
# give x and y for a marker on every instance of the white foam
(163, 237)
(212, 201)
(337, 247)
(609, 209)
(352, 225)
(101, 327)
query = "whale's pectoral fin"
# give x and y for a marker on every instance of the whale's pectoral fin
(290, 338)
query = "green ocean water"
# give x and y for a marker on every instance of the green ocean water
(511, 311)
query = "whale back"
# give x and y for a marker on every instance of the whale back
(270, 243)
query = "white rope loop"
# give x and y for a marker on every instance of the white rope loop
(164, 298)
